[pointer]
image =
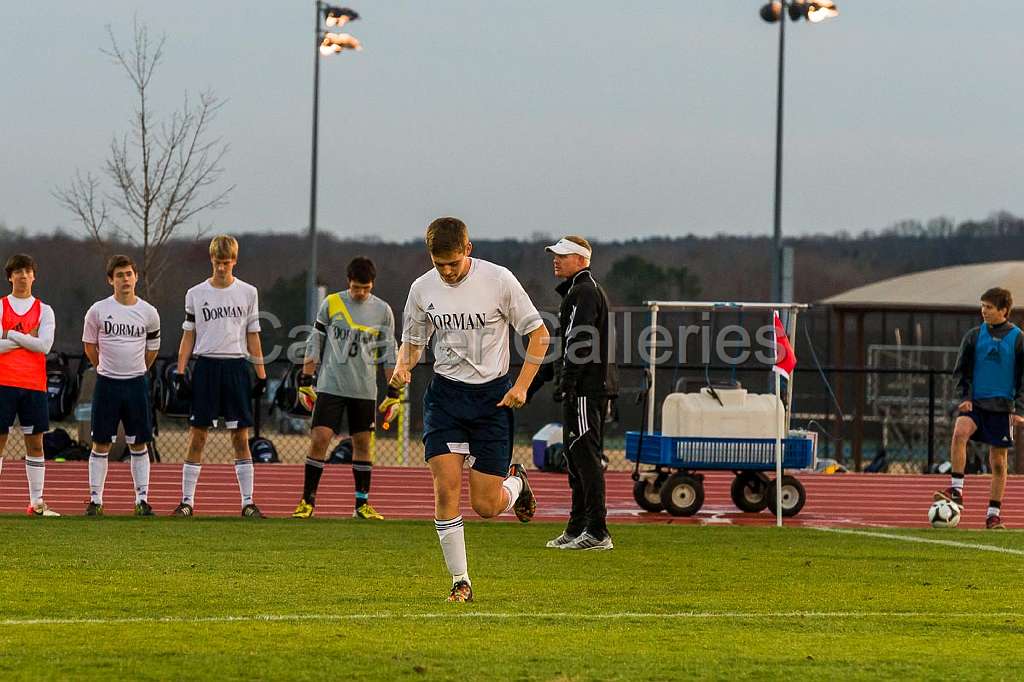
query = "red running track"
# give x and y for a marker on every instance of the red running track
(405, 493)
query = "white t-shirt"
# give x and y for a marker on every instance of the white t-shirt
(469, 320)
(43, 341)
(221, 318)
(123, 333)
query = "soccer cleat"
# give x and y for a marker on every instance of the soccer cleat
(586, 541)
(561, 540)
(183, 509)
(93, 509)
(304, 510)
(526, 504)
(251, 511)
(365, 511)
(462, 592)
(40, 510)
(994, 523)
(142, 508)
(953, 495)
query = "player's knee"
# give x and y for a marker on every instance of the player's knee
(961, 434)
(485, 508)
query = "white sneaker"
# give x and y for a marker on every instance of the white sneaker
(561, 541)
(587, 541)
(41, 510)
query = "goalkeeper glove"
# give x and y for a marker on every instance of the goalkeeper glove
(389, 407)
(306, 396)
(259, 388)
(182, 386)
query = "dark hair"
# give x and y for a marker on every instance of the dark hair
(447, 235)
(120, 261)
(362, 270)
(1002, 299)
(19, 261)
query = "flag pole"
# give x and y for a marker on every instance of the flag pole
(778, 426)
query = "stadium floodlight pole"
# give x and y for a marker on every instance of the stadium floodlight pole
(813, 11)
(326, 44)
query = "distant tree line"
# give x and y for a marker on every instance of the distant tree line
(721, 267)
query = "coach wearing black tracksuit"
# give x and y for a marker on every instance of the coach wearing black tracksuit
(586, 381)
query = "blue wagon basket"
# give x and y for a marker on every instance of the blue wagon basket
(732, 454)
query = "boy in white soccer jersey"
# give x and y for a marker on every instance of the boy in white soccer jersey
(121, 339)
(222, 330)
(357, 333)
(467, 305)
(28, 328)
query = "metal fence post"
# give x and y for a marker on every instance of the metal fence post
(931, 420)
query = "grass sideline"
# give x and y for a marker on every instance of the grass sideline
(126, 598)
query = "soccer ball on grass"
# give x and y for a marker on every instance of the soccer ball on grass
(944, 514)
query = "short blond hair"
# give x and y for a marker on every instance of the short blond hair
(224, 247)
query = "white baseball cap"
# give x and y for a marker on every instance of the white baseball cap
(564, 247)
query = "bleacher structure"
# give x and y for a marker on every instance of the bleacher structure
(901, 403)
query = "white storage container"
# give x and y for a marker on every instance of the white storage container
(740, 414)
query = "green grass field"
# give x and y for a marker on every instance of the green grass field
(126, 598)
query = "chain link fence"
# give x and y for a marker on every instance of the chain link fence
(903, 415)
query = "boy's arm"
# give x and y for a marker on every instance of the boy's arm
(963, 371)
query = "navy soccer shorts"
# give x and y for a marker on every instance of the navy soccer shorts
(993, 427)
(464, 419)
(32, 408)
(221, 387)
(123, 401)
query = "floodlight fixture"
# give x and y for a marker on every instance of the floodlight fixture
(814, 11)
(336, 17)
(338, 42)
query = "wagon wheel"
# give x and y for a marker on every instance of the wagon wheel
(749, 491)
(793, 496)
(682, 495)
(647, 492)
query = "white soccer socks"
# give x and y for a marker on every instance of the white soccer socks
(244, 473)
(513, 485)
(97, 476)
(35, 472)
(453, 546)
(189, 480)
(140, 475)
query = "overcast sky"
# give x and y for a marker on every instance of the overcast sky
(609, 119)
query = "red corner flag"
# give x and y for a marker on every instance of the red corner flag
(785, 358)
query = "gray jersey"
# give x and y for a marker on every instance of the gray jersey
(359, 337)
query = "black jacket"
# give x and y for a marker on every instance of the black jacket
(963, 373)
(586, 363)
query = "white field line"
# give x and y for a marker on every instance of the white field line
(926, 541)
(385, 616)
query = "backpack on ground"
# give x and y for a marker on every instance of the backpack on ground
(62, 387)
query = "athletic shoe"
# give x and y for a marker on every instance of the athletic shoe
(303, 511)
(40, 510)
(182, 509)
(586, 541)
(365, 511)
(142, 508)
(93, 509)
(461, 593)
(994, 523)
(561, 540)
(526, 504)
(953, 495)
(251, 511)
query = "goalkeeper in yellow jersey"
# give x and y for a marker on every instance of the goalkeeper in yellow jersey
(355, 331)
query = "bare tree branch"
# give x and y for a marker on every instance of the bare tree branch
(160, 175)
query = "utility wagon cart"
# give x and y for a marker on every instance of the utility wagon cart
(720, 428)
